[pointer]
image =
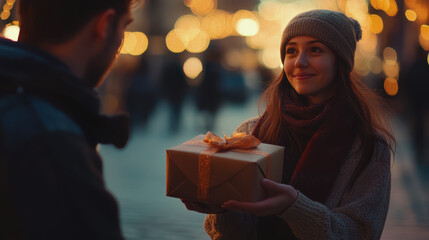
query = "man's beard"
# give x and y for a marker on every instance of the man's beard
(98, 66)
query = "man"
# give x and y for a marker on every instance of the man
(51, 180)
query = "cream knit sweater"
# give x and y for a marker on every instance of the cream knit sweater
(356, 212)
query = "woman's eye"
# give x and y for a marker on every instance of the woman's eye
(290, 50)
(316, 49)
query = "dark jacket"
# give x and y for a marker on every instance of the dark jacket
(51, 181)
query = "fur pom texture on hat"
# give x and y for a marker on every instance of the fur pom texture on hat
(337, 31)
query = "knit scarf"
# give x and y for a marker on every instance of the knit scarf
(317, 140)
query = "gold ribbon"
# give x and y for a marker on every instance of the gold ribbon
(239, 142)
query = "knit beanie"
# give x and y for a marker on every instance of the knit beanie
(334, 29)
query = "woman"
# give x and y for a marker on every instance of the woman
(336, 175)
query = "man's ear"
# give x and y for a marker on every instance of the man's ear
(103, 23)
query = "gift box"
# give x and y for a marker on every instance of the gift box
(199, 172)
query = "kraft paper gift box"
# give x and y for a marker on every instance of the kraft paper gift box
(229, 175)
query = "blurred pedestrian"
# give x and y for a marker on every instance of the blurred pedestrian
(174, 89)
(416, 86)
(51, 179)
(142, 94)
(336, 175)
(208, 93)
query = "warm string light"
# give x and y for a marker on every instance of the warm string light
(411, 15)
(201, 7)
(424, 37)
(388, 6)
(391, 86)
(192, 69)
(134, 43)
(376, 23)
(391, 70)
(11, 31)
(262, 29)
(7, 7)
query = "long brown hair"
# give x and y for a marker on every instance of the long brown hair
(366, 105)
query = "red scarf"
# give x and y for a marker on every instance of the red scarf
(319, 138)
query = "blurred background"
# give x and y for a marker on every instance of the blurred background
(189, 66)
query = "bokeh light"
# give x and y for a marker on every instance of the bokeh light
(256, 42)
(424, 31)
(174, 43)
(357, 9)
(247, 27)
(141, 45)
(201, 7)
(376, 65)
(391, 86)
(242, 14)
(218, 24)
(5, 15)
(11, 32)
(135, 43)
(270, 10)
(198, 43)
(424, 43)
(388, 6)
(7, 7)
(376, 24)
(393, 9)
(391, 68)
(361, 66)
(270, 57)
(130, 42)
(192, 67)
(411, 15)
(389, 54)
(187, 35)
(187, 22)
(368, 43)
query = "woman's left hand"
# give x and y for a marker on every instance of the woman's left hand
(279, 198)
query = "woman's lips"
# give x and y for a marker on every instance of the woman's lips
(303, 76)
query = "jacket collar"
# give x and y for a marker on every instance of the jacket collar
(26, 69)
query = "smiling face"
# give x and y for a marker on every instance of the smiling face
(310, 67)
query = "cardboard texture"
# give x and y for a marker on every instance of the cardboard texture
(233, 175)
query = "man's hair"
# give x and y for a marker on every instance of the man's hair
(56, 21)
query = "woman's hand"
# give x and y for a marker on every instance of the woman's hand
(202, 207)
(279, 198)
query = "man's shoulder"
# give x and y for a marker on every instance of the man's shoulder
(23, 118)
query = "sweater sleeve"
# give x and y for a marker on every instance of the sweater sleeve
(361, 213)
(247, 126)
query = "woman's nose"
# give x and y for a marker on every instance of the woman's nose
(301, 60)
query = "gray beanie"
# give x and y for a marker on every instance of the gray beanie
(337, 31)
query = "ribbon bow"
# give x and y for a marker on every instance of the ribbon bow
(236, 141)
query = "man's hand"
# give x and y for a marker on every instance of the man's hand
(202, 207)
(279, 198)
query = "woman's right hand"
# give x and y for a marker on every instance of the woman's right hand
(279, 197)
(202, 207)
